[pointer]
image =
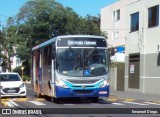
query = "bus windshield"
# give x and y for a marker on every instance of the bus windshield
(82, 62)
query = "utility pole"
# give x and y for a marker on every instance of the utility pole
(22, 68)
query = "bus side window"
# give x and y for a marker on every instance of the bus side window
(53, 54)
(49, 54)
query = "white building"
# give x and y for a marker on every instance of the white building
(139, 25)
(114, 25)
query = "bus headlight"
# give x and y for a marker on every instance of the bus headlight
(104, 83)
(60, 83)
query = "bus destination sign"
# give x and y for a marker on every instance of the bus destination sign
(82, 42)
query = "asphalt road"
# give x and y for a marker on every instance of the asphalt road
(106, 107)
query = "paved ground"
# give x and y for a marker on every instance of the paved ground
(139, 96)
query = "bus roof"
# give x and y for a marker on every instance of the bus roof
(65, 36)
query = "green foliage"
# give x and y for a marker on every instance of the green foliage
(40, 20)
(26, 70)
(26, 66)
(18, 70)
(26, 78)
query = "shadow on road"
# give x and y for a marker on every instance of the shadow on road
(77, 101)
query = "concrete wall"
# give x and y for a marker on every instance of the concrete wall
(149, 74)
(113, 78)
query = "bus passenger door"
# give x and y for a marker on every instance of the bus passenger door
(53, 78)
(37, 72)
(33, 80)
(40, 74)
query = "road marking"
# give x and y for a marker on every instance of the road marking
(157, 102)
(11, 104)
(129, 99)
(14, 99)
(135, 103)
(37, 103)
(112, 100)
(4, 103)
(21, 99)
(151, 103)
(40, 99)
(117, 103)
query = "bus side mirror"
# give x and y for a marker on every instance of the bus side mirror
(111, 51)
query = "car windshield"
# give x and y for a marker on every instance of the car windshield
(9, 77)
(78, 62)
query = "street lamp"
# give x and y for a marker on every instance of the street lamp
(22, 68)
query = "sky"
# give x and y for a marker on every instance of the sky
(9, 8)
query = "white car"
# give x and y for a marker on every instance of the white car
(11, 84)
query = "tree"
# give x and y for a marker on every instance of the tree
(40, 20)
(7, 36)
(90, 25)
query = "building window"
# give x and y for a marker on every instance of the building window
(117, 15)
(113, 16)
(153, 16)
(116, 34)
(135, 22)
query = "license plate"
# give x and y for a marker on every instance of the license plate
(11, 91)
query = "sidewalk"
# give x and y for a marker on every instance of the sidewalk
(139, 96)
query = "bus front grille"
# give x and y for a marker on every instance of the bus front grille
(91, 86)
(75, 81)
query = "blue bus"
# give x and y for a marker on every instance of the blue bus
(71, 66)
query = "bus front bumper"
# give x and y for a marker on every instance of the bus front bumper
(96, 92)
